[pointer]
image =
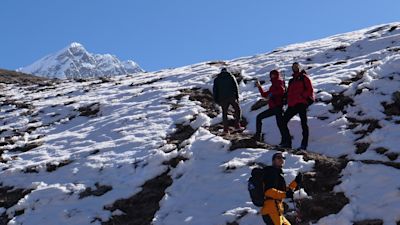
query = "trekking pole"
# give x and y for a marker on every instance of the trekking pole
(297, 209)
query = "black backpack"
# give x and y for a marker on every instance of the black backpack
(255, 186)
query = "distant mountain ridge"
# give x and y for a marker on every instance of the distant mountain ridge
(74, 61)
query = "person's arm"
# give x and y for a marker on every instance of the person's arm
(309, 88)
(297, 182)
(275, 194)
(215, 91)
(236, 86)
(262, 92)
(293, 185)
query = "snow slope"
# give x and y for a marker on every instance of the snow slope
(75, 62)
(62, 142)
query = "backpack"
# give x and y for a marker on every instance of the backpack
(310, 100)
(255, 186)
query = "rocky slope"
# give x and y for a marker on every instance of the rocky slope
(148, 149)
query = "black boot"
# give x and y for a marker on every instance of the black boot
(258, 137)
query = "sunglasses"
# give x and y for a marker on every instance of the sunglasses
(280, 157)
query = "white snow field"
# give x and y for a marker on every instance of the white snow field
(62, 142)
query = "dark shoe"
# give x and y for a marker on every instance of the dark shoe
(239, 127)
(257, 137)
(226, 131)
(302, 147)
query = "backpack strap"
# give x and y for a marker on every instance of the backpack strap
(302, 78)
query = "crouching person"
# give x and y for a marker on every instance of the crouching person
(276, 190)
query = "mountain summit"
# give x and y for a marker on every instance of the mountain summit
(74, 61)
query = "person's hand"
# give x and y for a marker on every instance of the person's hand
(258, 84)
(289, 193)
(299, 179)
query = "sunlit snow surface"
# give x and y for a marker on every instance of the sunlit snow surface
(124, 145)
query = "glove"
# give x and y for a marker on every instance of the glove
(289, 193)
(299, 179)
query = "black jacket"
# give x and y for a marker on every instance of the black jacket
(225, 87)
(273, 178)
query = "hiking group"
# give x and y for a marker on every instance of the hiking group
(267, 186)
(298, 96)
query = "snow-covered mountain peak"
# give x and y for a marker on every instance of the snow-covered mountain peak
(74, 61)
(74, 48)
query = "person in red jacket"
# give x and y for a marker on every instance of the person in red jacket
(275, 103)
(300, 95)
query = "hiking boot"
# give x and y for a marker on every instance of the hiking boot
(257, 137)
(302, 147)
(239, 127)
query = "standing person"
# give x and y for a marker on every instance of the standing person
(226, 93)
(300, 95)
(275, 103)
(276, 190)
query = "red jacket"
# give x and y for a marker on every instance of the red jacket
(275, 93)
(300, 89)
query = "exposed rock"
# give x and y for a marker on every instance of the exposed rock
(13, 77)
(99, 191)
(141, 208)
(146, 82)
(259, 104)
(89, 110)
(393, 109)
(340, 102)
(8, 198)
(362, 147)
(182, 133)
(50, 167)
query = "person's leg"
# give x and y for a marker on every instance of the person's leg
(225, 107)
(272, 219)
(287, 116)
(285, 221)
(267, 113)
(303, 118)
(279, 122)
(238, 111)
(267, 220)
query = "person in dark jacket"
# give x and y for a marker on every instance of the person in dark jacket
(299, 95)
(276, 190)
(275, 103)
(226, 93)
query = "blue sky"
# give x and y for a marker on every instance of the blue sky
(170, 33)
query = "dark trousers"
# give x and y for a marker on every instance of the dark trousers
(300, 109)
(225, 106)
(268, 220)
(277, 112)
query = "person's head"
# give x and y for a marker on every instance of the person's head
(278, 160)
(224, 70)
(296, 67)
(274, 74)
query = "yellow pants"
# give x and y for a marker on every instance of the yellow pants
(273, 213)
(275, 220)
